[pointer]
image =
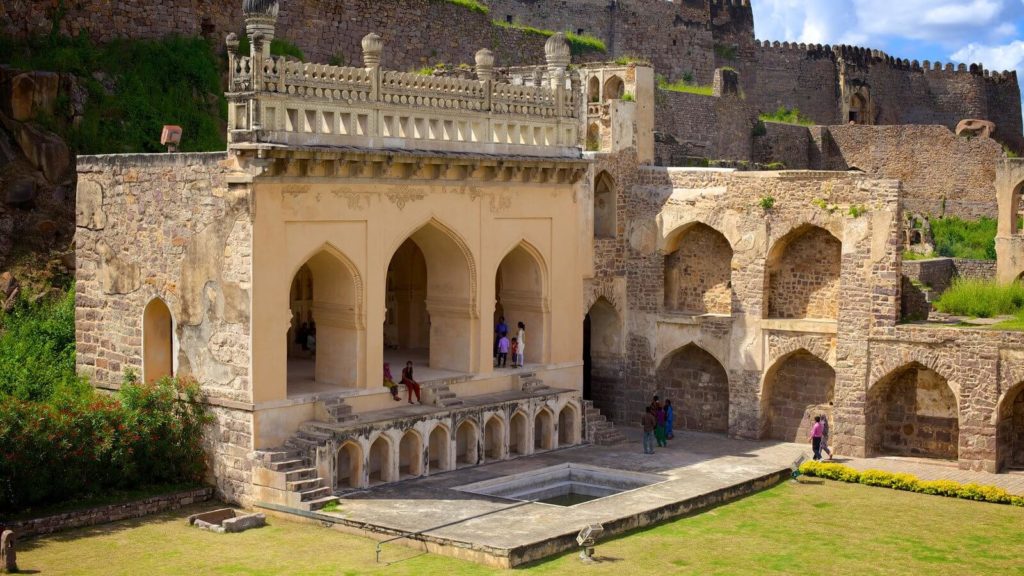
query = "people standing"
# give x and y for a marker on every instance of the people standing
(521, 340)
(389, 382)
(514, 351)
(502, 352)
(659, 429)
(411, 385)
(816, 433)
(648, 422)
(824, 437)
(500, 329)
(670, 418)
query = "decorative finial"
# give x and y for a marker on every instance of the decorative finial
(260, 18)
(556, 51)
(373, 46)
(232, 43)
(484, 65)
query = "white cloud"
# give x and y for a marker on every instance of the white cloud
(1002, 57)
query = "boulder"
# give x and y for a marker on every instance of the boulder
(45, 151)
(33, 93)
(974, 127)
(20, 193)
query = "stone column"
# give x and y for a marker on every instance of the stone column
(373, 46)
(485, 73)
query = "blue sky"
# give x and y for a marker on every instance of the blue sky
(968, 31)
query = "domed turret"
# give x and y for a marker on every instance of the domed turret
(556, 51)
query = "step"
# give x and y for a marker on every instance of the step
(300, 442)
(319, 503)
(299, 474)
(307, 484)
(339, 409)
(280, 454)
(346, 419)
(288, 465)
(314, 493)
(451, 402)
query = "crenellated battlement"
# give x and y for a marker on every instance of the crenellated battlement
(860, 56)
(274, 100)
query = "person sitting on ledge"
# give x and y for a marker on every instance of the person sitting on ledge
(411, 385)
(389, 382)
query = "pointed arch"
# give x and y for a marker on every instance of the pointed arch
(1010, 429)
(380, 469)
(543, 430)
(594, 89)
(348, 466)
(568, 425)
(913, 411)
(614, 88)
(444, 306)
(438, 446)
(802, 275)
(698, 385)
(698, 270)
(795, 389)
(521, 293)
(157, 341)
(494, 438)
(519, 434)
(605, 206)
(467, 439)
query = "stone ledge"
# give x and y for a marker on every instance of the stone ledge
(801, 325)
(108, 513)
(90, 163)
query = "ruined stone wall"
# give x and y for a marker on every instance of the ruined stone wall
(167, 226)
(803, 282)
(698, 386)
(697, 274)
(786, 143)
(415, 32)
(914, 414)
(712, 127)
(800, 389)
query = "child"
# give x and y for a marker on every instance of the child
(389, 382)
(502, 352)
(514, 349)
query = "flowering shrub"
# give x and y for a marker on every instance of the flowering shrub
(80, 446)
(911, 483)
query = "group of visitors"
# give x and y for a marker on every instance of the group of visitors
(503, 346)
(819, 437)
(410, 383)
(657, 421)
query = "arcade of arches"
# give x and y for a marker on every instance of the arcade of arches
(913, 412)
(698, 386)
(803, 275)
(797, 388)
(698, 272)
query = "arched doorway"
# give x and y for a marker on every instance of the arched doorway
(1010, 440)
(698, 386)
(324, 339)
(410, 455)
(698, 272)
(593, 143)
(520, 293)
(429, 301)
(594, 89)
(349, 466)
(602, 354)
(797, 388)
(604, 206)
(437, 450)
(466, 444)
(803, 271)
(543, 431)
(518, 439)
(494, 439)
(568, 426)
(614, 88)
(157, 344)
(913, 412)
(380, 461)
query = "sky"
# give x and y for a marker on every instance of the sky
(967, 31)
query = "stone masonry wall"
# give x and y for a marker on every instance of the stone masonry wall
(914, 414)
(698, 386)
(800, 389)
(804, 280)
(697, 274)
(711, 127)
(786, 143)
(168, 226)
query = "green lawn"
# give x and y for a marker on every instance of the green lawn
(814, 527)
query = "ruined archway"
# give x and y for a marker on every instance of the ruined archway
(698, 272)
(494, 439)
(518, 438)
(521, 294)
(1010, 429)
(429, 299)
(603, 354)
(379, 468)
(466, 440)
(698, 386)
(437, 449)
(543, 430)
(157, 343)
(802, 275)
(912, 412)
(410, 455)
(568, 426)
(798, 387)
(325, 335)
(604, 206)
(614, 88)
(594, 89)
(349, 466)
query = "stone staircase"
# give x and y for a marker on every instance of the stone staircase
(442, 393)
(528, 382)
(599, 430)
(285, 476)
(338, 412)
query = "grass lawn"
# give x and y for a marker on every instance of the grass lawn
(817, 526)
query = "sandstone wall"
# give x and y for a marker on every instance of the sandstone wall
(713, 127)
(168, 227)
(789, 144)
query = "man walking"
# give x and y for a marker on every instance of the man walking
(817, 431)
(649, 422)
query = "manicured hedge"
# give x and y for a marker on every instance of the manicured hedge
(77, 447)
(910, 483)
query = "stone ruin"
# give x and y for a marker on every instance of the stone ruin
(227, 520)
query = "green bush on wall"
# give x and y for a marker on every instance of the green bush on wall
(910, 483)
